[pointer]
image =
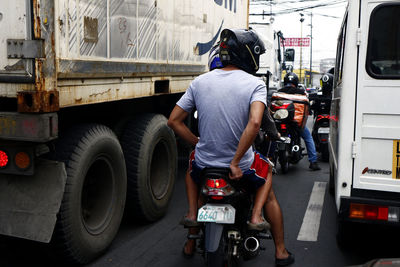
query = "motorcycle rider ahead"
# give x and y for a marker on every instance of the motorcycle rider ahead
(230, 102)
(290, 87)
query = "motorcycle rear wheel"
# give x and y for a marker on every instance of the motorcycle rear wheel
(217, 258)
(324, 152)
(283, 160)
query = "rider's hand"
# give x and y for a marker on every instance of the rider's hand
(236, 173)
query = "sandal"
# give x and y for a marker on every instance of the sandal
(185, 221)
(285, 262)
(264, 225)
(188, 255)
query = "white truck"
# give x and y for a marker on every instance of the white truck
(364, 139)
(271, 62)
(85, 88)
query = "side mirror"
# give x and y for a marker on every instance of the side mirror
(289, 54)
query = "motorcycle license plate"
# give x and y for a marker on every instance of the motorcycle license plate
(323, 130)
(217, 213)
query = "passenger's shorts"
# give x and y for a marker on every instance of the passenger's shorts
(256, 176)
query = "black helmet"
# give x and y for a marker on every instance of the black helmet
(291, 78)
(241, 48)
(326, 83)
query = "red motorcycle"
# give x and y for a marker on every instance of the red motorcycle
(290, 113)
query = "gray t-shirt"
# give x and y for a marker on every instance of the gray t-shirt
(222, 99)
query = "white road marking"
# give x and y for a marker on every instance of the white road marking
(310, 226)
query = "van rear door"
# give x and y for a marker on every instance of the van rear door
(15, 24)
(377, 130)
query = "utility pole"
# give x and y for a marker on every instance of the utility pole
(301, 43)
(311, 51)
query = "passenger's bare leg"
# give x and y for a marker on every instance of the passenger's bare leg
(194, 202)
(273, 212)
(190, 244)
(192, 194)
(259, 201)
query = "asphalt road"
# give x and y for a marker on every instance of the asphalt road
(160, 244)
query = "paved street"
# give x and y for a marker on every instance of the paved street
(309, 214)
(160, 243)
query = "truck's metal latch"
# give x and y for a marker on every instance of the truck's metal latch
(18, 48)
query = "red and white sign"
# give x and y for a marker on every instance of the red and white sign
(296, 42)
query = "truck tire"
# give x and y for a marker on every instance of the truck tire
(150, 151)
(95, 192)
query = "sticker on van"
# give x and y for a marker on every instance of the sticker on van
(396, 159)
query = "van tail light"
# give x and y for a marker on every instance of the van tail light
(3, 159)
(373, 212)
(217, 188)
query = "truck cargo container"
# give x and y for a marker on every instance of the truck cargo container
(85, 88)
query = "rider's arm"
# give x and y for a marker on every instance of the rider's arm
(176, 123)
(247, 138)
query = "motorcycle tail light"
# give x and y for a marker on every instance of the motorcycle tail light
(283, 126)
(3, 159)
(216, 183)
(217, 188)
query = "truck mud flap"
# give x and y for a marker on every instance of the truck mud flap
(29, 204)
(213, 233)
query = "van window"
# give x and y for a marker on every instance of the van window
(340, 53)
(383, 54)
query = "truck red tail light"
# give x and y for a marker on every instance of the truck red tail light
(17, 160)
(3, 159)
(22, 160)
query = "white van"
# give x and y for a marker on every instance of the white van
(365, 115)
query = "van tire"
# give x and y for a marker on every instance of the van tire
(93, 204)
(344, 234)
(331, 183)
(150, 151)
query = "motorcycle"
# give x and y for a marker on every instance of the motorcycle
(320, 132)
(225, 238)
(289, 149)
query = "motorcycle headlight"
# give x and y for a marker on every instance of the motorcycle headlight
(281, 114)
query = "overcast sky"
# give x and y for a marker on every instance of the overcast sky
(326, 23)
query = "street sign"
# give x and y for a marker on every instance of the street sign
(296, 42)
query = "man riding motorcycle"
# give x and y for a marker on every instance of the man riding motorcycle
(230, 102)
(290, 87)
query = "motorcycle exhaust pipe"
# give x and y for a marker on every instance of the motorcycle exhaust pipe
(295, 148)
(251, 245)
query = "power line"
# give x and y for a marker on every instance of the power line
(298, 9)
